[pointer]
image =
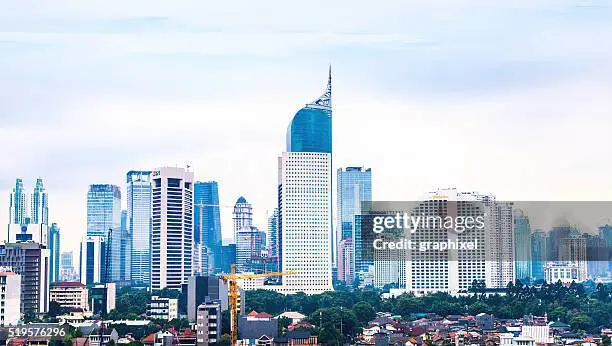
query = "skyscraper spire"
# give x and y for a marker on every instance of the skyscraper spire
(326, 99)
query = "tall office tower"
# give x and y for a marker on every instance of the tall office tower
(103, 209)
(93, 260)
(67, 272)
(539, 256)
(273, 237)
(207, 223)
(18, 204)
(118, 253)
(490, 261)
(345, 262)
(40, 204)
(31, 261)
(554, 241)
(54, 252)
(139, 192)
(573, 249)
(242, 215)
(304, 197)
(605, 232)
(354, 187)
(596, 255)
(172, 228)
(10, 299)
(522, 253)
(125, 257)
(228, 257)
(250, 242)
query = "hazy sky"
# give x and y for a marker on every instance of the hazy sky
(505, 97)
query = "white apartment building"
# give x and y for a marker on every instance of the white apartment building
(172, 227)
(208, 323)
(70, 295)
(10, 297)
(566, 272)
(161, 308)
(305, 222)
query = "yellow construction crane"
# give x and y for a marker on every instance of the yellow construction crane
(234, 294)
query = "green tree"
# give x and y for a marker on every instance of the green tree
(581, 322)
(364, 312)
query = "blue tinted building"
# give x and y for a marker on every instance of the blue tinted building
(139, 192)
(207, 220)
(103, 209)
(311, 127)
(54, 252)
(522, 246)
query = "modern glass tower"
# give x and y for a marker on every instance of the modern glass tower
(207, 220)
(18, 204)
(139, 194)
(539, 254)
(40, 204)
(103, 209)
(304, 199)
(522, 249)
(54, 256)
(354, 186)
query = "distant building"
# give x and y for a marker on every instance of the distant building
(103, 209)
(273, 237)
(161, 308)
(484, 321)
(139, 196)
(573, 249)
(172, 228)
(597, 255)
(566, 272)
(54, 252)
(70, 295)
(200, 288)
(18, 204)
(102, 337)
(345, 261)
(250, 242)
(10, 299)
(354, 186)
(242, 215)
(39, 204)
(538, 254)
(208, 323)
(228, 257)
(522, 248)
(103, 298)
(31, 261)
(207, 224)
(93, 260)
(37, 233)
(256, 324)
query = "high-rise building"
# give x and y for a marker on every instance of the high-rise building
(31, 261)
(354, 186)
(207, 223)
(93, 260)
(605, 232)
(172, 228)
(538, 254)
(10, 299)
(40, 204)
(67, 270)
(103, 209)
(554, 241)
(228, 257)
(242, 215)
(54, 252)
(345, 261)
(273, 237)
(139, 192)
(304, 197)
(597, 255)
(250, 243)
(573, 249)
(199, 288)
(522, 249)
(490, 261)
(118, 245)
(18, 204)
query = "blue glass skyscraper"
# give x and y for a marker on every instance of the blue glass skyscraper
(311, 127)
(139, 192)
(103, 209)
(18, 204)
(207, 220)
(522, 246)
(54, 252)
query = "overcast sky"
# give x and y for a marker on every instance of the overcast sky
(505, 97)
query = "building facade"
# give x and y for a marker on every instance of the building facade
(18, 204)
(522, 249)
(70, 295)
(103, 209)
(10, 299)
(93, 260)
(200, 288)
(54, 252)
(161, 308)
(242, 215)
(39, 209)
(139, 197)
(208, 323)
(172, 228)
(538, 254)
(31, 261)
(250, 243)
(304, 197)
(207, 224)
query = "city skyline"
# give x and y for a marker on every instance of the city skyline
(520, 91)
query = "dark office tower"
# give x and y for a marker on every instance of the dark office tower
(539, 254)
(199, 288)
(228, 257)
(207, 222)
(554, 241)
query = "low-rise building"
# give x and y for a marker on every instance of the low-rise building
(70, 295)
(102, 297)
(10, 297)
(566, 272)
(161, 308)
(208, 322)
(257, 324)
